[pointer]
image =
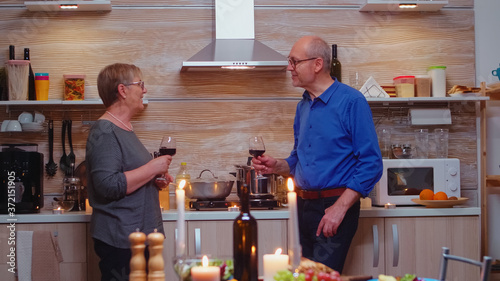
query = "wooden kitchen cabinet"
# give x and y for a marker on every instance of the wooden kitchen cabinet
(366, 254)
(413, 245)
(72, 240)
(215, 238)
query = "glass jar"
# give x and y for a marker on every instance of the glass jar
(397, 150)
(72, 192)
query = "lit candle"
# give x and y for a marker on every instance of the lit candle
(389, 206)
(58, 211)
(181, 231)
(233, 209)
(205, 272)
(273, 264)
(294, 250)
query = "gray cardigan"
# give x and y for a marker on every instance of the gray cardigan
(110, 152)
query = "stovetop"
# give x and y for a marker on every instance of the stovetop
(206, 205)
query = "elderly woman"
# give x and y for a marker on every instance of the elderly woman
(123, 190)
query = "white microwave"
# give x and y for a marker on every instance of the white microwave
(403, 179)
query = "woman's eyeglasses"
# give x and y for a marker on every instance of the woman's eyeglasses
(140, 83)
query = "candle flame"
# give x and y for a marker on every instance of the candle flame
(58, 208)
(290, 184)
(204, 261)
(182, 184)
(278, 251)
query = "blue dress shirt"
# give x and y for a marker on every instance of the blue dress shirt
(335, 142)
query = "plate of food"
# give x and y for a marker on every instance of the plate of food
(441, 203)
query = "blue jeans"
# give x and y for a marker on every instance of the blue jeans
(331, 251)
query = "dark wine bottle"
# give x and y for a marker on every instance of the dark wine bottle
(31, 81)
(12, 52)
(245, 241)
(335, 66)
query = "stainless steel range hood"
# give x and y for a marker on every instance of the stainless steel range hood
(235, 46)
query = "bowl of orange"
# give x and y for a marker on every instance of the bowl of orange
(440, 199)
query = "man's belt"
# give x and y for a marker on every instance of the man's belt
(317, 194)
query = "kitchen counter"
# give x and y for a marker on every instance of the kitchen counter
(46, 216)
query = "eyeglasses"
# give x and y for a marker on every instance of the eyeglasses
(294, 63)
(140, 83)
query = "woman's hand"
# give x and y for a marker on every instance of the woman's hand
(163, 182)
(161, 164)
(163, 178)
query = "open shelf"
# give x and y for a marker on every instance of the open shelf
(493, 180)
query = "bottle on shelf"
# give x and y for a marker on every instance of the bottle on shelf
(12, 52)
(245, 241)
(335, 65)
(183, 174)
(31, 79)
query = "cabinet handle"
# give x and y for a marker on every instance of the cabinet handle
(197, 241)
(376, 248)
(395, 245)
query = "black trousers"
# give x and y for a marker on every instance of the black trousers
(115, 262)
(331, 251)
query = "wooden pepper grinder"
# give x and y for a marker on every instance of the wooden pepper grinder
(156, 264)
(138, 260)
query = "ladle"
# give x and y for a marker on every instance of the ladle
(51, 166)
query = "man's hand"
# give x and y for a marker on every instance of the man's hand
(268, 165)
(334, 215)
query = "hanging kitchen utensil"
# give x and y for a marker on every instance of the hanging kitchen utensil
(63, 163)
(71, 155)
(51, 166)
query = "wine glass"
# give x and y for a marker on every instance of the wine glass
(256, 148)
(167, 146)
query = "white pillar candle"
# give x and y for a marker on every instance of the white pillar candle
(294, 250)
(181, 230)
(205, 272)
(273, 264)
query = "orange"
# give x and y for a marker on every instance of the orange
(426, 194)
(440, 196)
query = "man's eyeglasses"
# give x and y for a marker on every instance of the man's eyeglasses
(294, 62)
(140, 83)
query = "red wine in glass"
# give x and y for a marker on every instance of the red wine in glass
(256, 148)
(167, 151)
(256, 152)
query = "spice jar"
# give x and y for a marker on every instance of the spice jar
(397, 150)
(406, 151)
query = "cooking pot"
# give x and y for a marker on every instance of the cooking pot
(260, 188)
(209, 188)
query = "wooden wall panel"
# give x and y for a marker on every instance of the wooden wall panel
(212, 114)
(379, 45)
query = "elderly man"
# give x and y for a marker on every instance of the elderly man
(335, 159)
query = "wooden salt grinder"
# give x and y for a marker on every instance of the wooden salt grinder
(156, 264)
(138, 260)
